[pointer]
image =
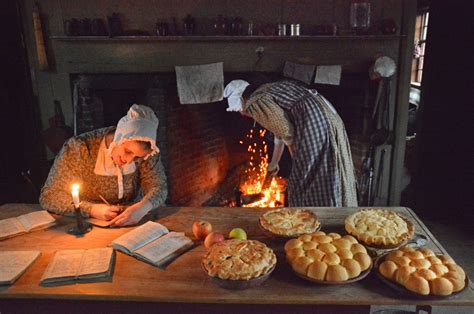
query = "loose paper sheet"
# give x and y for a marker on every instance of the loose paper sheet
(95, 261)
(64, 264)
(141, 236)
(10, 227)
(158, 250)
(328, 74)
(36, 219)
(14, 263)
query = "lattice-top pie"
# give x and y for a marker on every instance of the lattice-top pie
(423, 272)
(327, 257)
(239, 259)
(379, 227)
(289, 221)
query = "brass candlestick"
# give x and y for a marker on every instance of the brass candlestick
(82, 226)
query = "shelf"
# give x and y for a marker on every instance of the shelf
(226, 38)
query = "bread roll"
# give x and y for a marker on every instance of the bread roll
(388, 269)
(406, 249)
(323, 239)
(434, 260)
(414, 255)
(317, 255)
(364, 260)
(318, 233)
(402, 274)
(418, 285)
(352, 267)
(336, 273)
(342, 244)
(439, 269)
(331, 259)
(393, 254)
(294, 253)
(293, 243)
(350, 238)
(317, 270)
(457, 269)
(309, 246)
(420, 263)
(446, 259)
(458, 283)
(401, 261)
(344, 254)
(327, 248)
(300, 264)
(334, 235)
(426, 252)
(357, 247)
(425, 273)
(305, 237)
(441, 286)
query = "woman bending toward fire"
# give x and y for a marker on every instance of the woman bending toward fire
(121, 164)
(322, 172)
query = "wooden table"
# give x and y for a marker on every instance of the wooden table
(183, 281)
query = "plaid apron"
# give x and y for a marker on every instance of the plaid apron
(322, 172)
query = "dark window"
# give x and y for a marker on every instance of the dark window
(421, 29)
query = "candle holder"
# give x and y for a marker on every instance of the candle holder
(82, 226)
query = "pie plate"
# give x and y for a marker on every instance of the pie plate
(281, 237)
(362, 275)
(240, 284)
(405, 292)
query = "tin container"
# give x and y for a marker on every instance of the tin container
(294, 29)
(281, 29)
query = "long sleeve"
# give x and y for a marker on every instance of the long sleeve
(153, 181)
(271, 116)
(66, 170)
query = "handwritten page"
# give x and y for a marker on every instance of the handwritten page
(158, 250)
(328, 74)
(15, 263)
(95, 261)
(36, 219)
(140, 236)
(10, 227)
(64, 264)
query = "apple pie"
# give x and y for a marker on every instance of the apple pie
(327, 257)
(239, 260)
(423, 272)
(379, 228)
(289, 222)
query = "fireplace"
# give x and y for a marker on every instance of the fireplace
(212, 157)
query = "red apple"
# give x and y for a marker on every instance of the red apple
(213, 238)
(201, 229)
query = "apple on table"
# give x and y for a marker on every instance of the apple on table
(213, 238)
(201, 229)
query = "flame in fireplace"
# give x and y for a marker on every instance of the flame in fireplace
(271, 195)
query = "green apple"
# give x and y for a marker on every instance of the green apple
(238, 233)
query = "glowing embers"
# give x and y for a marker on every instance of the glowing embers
(256, 188)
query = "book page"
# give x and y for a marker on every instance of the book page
(140, 236)
(96, 261)
(36, 219)
(10, 227)
(64, 264)
(15, 263)
(158, 250)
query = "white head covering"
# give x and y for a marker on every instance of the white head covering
(385, 66)
(233, 92)
(140, 124)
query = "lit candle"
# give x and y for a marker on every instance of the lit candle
(75, 194)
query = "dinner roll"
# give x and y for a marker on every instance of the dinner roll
(441, 286)
(352, 267)
(418, 284)
(336, 273)
(317, 255)
(364, 260)
(331, 259)
(293, 243)
(317, 270)
(301, 264)
(388, 269)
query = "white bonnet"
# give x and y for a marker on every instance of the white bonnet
(140, 124)
(233, 92)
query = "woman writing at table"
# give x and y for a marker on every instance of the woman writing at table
(120, 163)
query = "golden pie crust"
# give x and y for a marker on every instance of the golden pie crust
(289, 222)
(239, 259)
(379, 228)
(327, 257)
(423, 272)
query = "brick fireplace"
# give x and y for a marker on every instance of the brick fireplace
(200, 143)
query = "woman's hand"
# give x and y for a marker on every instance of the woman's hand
(130, 216)
(104, 212)
(272, 169)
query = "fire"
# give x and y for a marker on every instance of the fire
(272, 195)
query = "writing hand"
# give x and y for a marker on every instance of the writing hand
(130, 216)
(104, 212)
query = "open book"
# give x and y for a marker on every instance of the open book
(153, 243)
(37, 220)
(14, 263)
(71, 266)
